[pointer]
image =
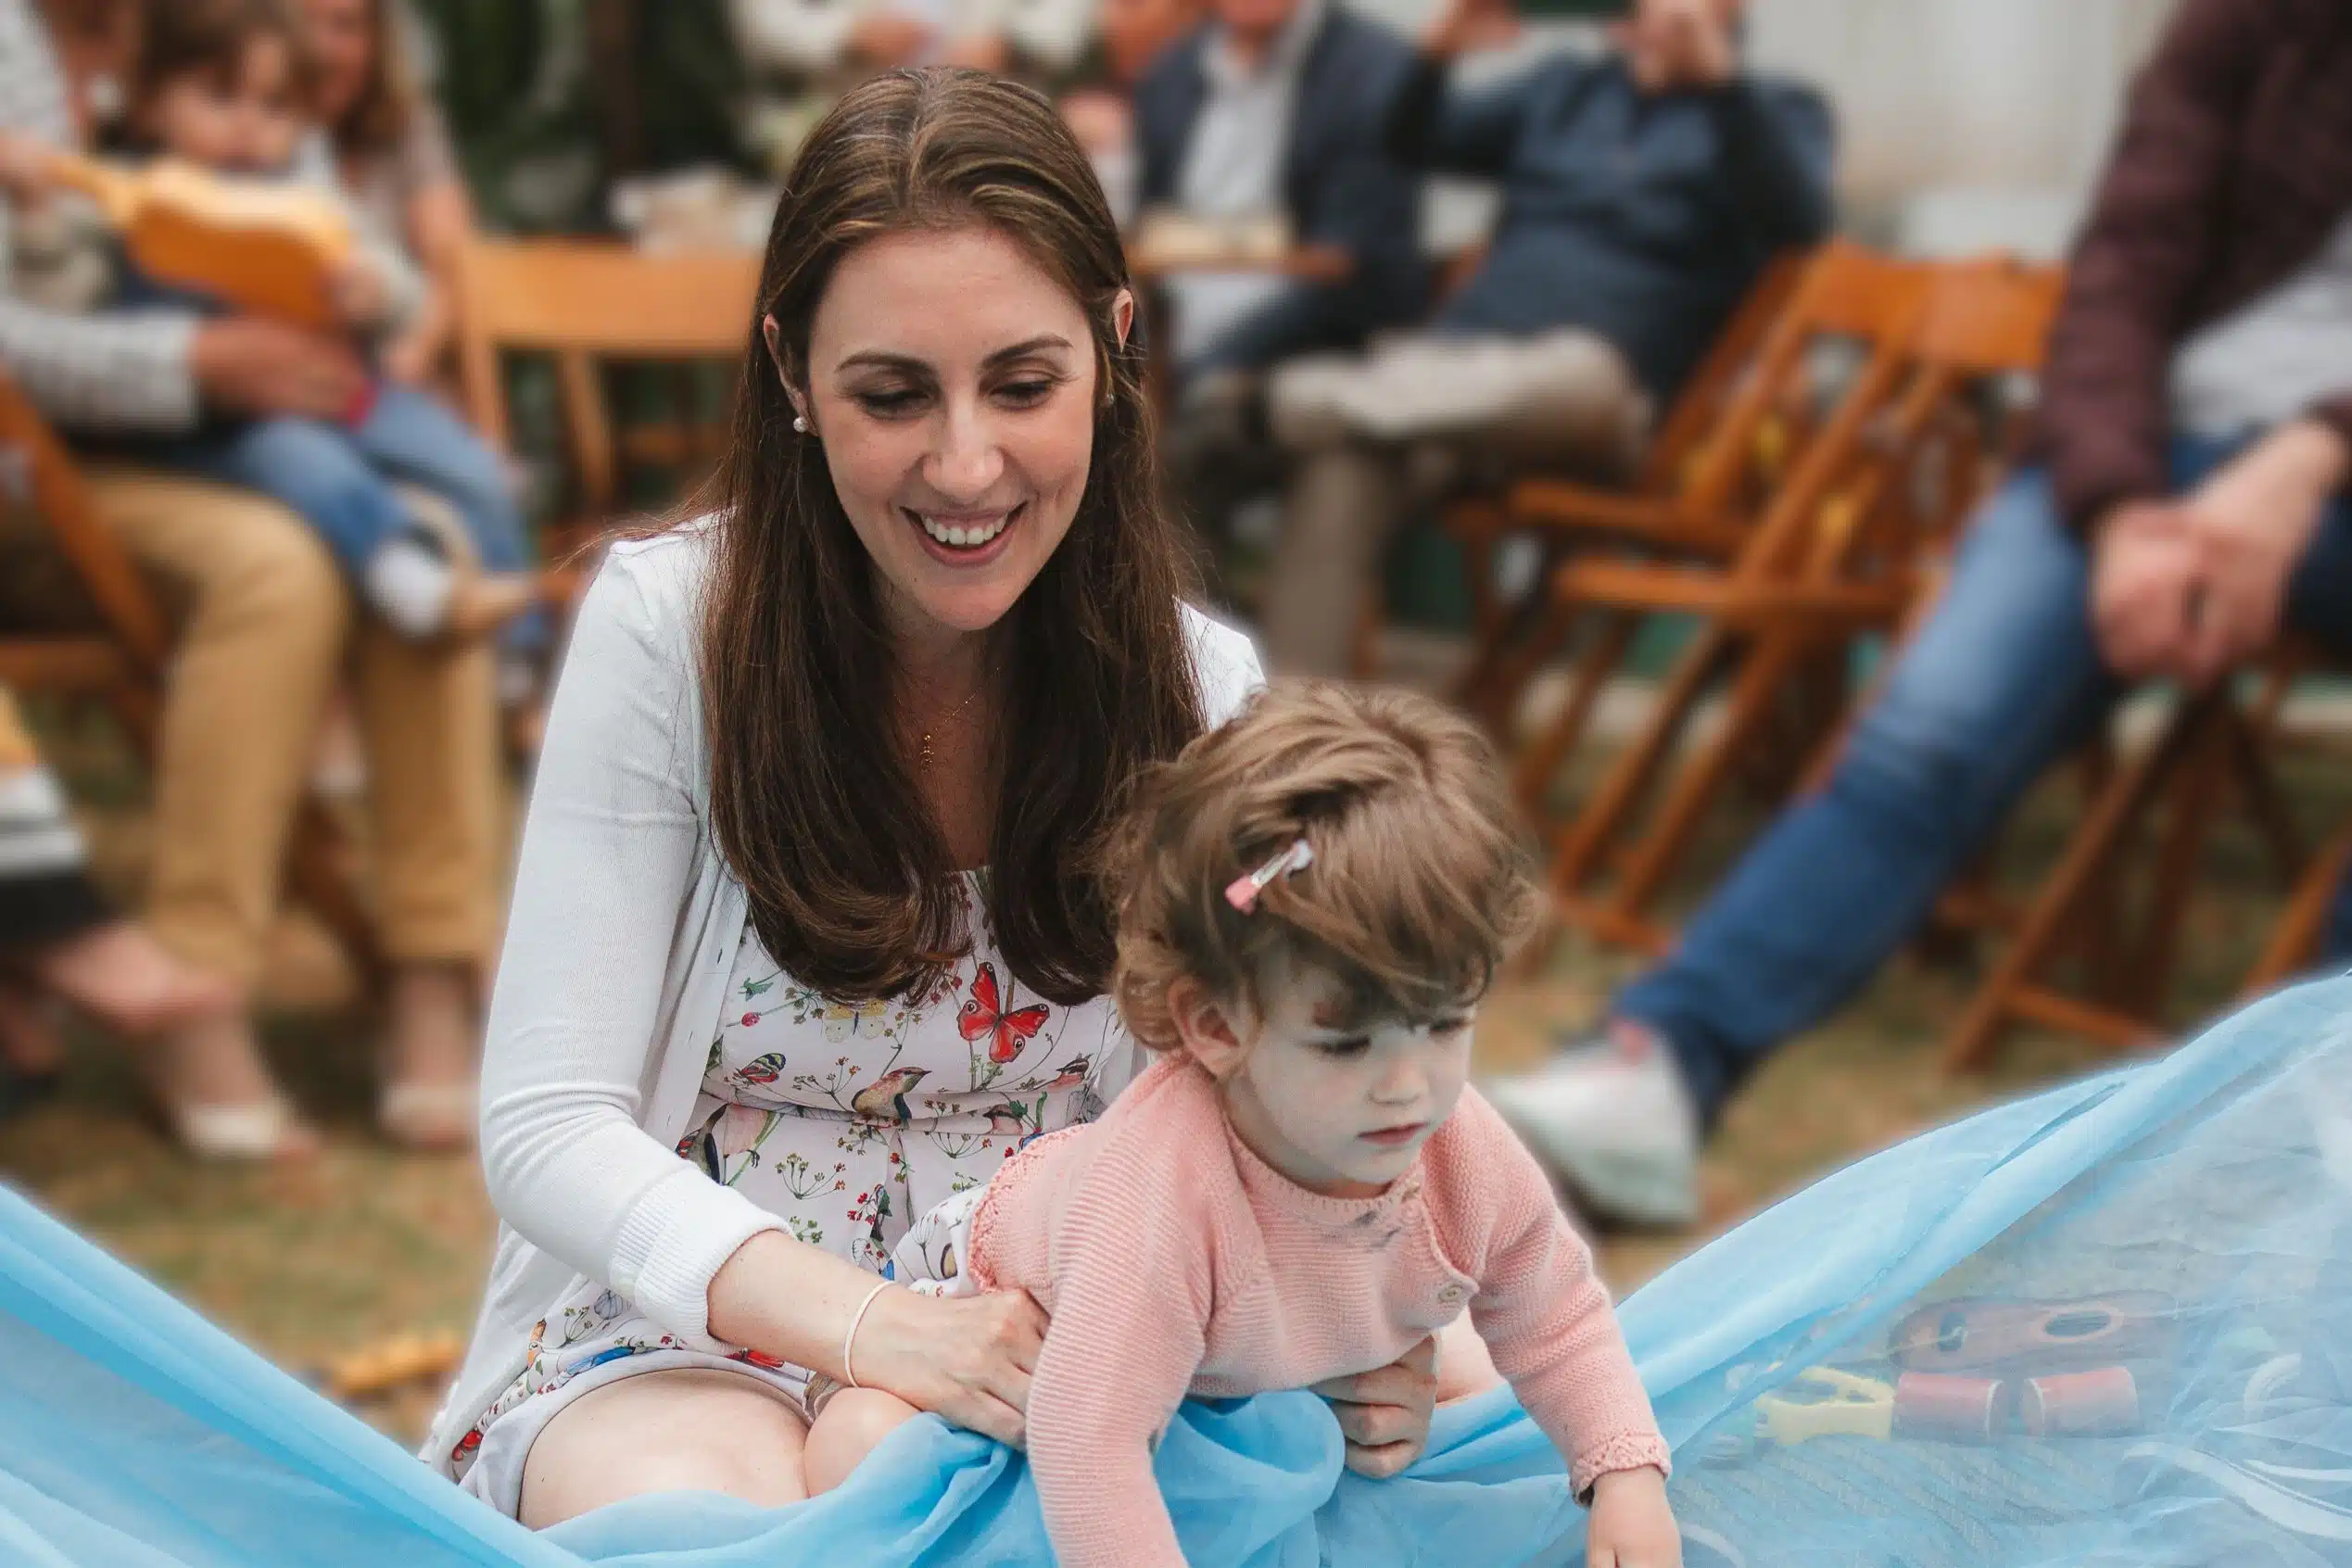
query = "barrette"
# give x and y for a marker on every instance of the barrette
(1242, 892)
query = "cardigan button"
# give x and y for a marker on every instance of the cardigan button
(1450, 1295)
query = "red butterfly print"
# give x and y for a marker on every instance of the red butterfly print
(983, 1014)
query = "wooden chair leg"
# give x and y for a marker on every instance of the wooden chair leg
(316, 875)
(2094, 846)
(1653, 857)
(2188, 827)
(2296, 938)
(1596, 661)
(1578, 847)
(2258, 787)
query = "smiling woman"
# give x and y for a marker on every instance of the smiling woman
(808, 933)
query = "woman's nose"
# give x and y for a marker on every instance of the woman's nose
(965, 463)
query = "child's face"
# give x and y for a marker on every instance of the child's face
(1341, 1108)
(245, 121)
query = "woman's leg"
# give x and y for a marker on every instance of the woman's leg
(851, 1425)
(691, 1430)
(260, 642)
(429, 714)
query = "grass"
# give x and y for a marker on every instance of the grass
(303, 1264)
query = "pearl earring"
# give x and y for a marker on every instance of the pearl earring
(800, 424)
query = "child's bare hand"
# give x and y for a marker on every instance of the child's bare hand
(360, 297)
(24, 166)
(1631, 1527)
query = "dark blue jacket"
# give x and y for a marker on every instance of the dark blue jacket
(1644, 217)
(1340, 186)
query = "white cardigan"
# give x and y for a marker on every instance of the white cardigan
(624, 925)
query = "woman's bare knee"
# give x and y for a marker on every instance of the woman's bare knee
(851, 1425)
(682, 1431)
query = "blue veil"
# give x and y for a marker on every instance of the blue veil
(2110, 1325)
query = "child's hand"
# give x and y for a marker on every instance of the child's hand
(360, 297)
(1631, 1527)
(24, 166)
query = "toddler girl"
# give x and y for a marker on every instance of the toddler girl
(222, 84)
(1312, 901)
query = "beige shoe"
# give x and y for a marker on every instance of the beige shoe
(429, 1117)
(480, 605)
(266, 1133)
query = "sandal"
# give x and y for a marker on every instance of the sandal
(429, 1117)
(267, 1131)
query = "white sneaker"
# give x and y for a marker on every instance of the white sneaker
(1615, 1123)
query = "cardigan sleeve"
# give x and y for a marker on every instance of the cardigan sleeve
(607, 862)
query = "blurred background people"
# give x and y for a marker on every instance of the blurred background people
(2187, 505)
(264, 629)
(1273, 109)
(61, 943)
(1642, 193)
(801, 54)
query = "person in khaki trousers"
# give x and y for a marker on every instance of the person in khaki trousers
(265, 628)
(61, 943)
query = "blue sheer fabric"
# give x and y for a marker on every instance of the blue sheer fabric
(2105, 1325)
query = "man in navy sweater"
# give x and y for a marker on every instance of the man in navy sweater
(1642, 193)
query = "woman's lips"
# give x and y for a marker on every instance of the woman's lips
(964, 538)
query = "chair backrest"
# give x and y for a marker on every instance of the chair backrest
(1979, 321)
(40, 485)
(587, 304)
(1842, 296)
(1698, 409)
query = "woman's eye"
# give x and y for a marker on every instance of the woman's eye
(888, 404)
(1025, 394)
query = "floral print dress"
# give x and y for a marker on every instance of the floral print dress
(847, 1120)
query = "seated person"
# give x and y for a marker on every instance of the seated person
(61, 943)
(221, 85)
(1642, 193)
(1274, 109)
(2187, 503)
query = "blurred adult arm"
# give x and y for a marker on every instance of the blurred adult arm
(438, 219)
(2152, 232)
(1778, 144)
(1432, 127)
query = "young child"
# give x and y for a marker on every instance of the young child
(1312, 903)
(221, 83)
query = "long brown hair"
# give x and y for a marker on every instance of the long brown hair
(851, 884)
(379, 118)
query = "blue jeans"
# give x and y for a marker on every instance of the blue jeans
(340, 479)
(2003, 679)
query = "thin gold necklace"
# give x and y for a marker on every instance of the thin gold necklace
(923, 757)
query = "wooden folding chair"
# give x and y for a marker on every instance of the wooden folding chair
(1696, 489)
(589, 305)
(1837, 556)
(102, 636)
(2212, 748)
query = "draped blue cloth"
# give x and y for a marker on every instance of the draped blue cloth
(2191, 1214)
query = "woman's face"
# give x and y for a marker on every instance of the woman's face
(342, 40)
(952, 383)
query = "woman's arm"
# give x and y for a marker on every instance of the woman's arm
(601, 883)
(440, 221)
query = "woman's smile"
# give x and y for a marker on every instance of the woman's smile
(967, 538)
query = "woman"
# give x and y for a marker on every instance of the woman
(397, 162)
(806, 895)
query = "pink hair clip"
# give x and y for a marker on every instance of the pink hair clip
(1242, 892)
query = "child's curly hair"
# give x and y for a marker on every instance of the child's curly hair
(1421, 880)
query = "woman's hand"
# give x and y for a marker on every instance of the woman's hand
(1631, 1525)
(965, 1358)
(1385, 1413)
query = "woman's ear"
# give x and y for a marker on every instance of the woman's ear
(773, 335)
(1123, 315)
(1208, 1029)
